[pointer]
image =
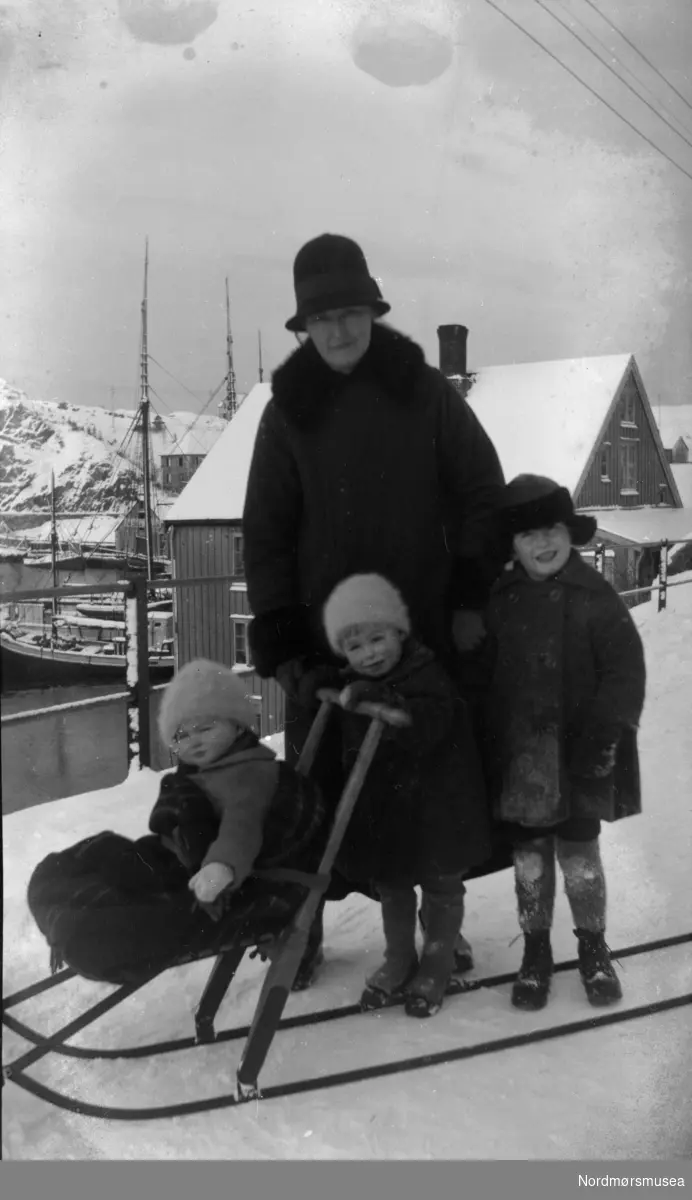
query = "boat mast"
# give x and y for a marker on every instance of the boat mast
(259, 344)
(144, 421)
(53, 551)
(230, 404)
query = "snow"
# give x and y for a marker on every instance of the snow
(544, 418)
(641, 525)
(216, 491)
(615, 1092)
(88, 447)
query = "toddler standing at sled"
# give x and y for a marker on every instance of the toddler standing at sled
(566, 695)
(421, 816)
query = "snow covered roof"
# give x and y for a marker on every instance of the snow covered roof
(545, 417)
(216, 491)
(674, 421)
(682, 474)
(641, 525)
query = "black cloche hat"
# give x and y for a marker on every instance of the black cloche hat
(331, 272)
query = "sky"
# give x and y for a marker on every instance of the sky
(485, 184)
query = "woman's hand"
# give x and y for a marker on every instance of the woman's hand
(213, 879)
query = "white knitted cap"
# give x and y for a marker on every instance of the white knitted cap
(363, 600)
(202, 691)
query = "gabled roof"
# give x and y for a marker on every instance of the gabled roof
(216, 491)
(548, 418)
(544, 418)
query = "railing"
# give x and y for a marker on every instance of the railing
(139, 688)
(663, 584)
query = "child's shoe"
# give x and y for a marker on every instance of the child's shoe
(532, 985)
(601, 984)
(387, 985)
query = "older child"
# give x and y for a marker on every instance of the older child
(118, 910)
(421, 817)
(565, 700)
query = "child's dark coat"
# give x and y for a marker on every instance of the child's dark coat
(568, 681)
(422, 811)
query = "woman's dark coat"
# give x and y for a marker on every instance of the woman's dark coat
(568, 682)
(422, 811)
(385, 470)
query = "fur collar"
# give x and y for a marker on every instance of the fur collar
(303, 382)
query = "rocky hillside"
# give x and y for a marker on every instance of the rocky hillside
(94, 452)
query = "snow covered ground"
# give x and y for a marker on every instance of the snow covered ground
(621, 1091)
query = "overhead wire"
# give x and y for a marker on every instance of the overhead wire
(636, 49)
(615, 58)
(588, 87)
(607, 65)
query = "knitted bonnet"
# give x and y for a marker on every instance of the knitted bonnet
(363, 600)
(203, 691)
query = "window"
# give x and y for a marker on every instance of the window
(629, 470)
(181, 462)
(238, 554)
(628, 412)
(241, 648)
(605, 462)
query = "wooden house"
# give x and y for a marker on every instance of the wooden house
(205, 535)
(588, 424)
(585, 422)
(177, 469)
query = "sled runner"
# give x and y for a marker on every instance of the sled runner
(284, 951)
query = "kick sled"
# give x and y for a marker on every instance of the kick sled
(284, 951)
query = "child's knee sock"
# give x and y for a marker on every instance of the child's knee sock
(585, 884)
(534, 878)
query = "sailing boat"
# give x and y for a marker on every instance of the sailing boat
(52, 644)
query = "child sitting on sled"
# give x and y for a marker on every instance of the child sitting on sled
(421, 817)
(566, 694)
(119, 911)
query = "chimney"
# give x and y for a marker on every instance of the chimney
(452, 350)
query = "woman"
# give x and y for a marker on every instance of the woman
(366, 460)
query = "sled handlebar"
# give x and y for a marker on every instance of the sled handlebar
(376, 712)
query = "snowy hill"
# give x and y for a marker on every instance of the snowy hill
(93, 451)
(618, 1091)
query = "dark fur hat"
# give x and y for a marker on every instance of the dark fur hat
(535, 502)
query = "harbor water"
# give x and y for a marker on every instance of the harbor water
(62, 754)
